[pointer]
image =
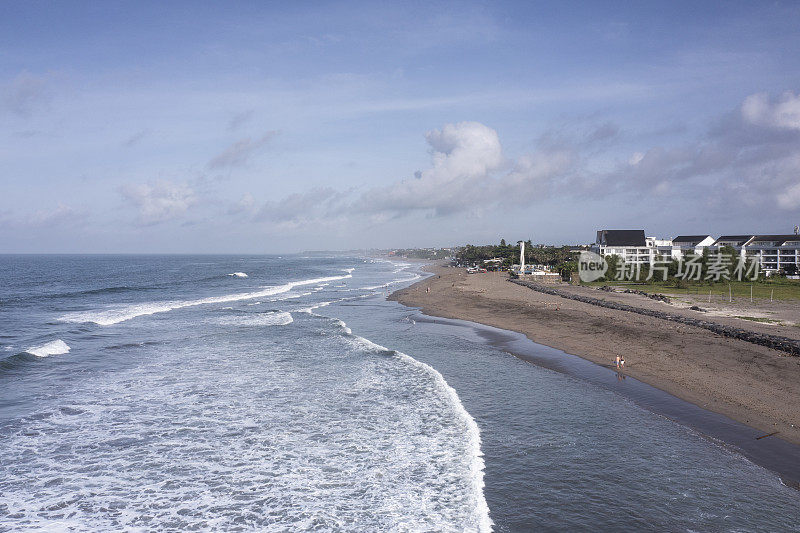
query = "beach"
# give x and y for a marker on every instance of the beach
(752, 384)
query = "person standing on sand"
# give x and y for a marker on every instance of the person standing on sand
(622, 363)
(617, 361)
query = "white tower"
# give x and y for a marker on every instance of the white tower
(521, 257)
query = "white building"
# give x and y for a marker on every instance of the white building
(628, 244)
(734, 241)
(774, 252)
(659, 248)
(684, 245)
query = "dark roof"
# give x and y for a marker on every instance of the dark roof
(689, 239)
(738, 239)
(621, 237)
(779, 238)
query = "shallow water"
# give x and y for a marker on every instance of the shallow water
(165, 393)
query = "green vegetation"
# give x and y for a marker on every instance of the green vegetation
(758, 319)
(559, 257)
(776, 288)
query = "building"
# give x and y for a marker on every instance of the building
(775, 252)
(659, 248)
(734, 241)
(684, 245)
(629, 244)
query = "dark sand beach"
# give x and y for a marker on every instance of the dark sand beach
(751, 384)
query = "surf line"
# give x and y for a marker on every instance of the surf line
(116, 315)
(479, 519)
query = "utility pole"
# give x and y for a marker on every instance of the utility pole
(521, 257)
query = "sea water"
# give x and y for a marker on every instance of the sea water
(286, 393)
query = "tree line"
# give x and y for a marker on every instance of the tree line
(558, 257)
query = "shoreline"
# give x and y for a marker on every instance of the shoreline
(749, 384)
(775, 455)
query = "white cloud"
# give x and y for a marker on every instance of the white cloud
(464, 156)
(244, 205)
(469, 173)
(49, 217)
(159, 201)
(636, 158)
(784, 113)
(60, 215)
(466, 149)
(790, 198)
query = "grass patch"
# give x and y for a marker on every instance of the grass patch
(757, 319)
(763, 290)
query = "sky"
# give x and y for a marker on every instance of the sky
(259, 127)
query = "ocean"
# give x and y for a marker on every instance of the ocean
(287, 394)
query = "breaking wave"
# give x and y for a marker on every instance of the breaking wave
(115, 315)
(479, 519)
(56, 347)
(393, 282)
(238, 275)
(280, 318)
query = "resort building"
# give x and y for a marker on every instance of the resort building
(775, 253)
(683, 245)
(734, 241)
(629, 244)
(659, 248)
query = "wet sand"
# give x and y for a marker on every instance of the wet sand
(754, 385)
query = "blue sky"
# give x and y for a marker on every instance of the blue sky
(275, 127)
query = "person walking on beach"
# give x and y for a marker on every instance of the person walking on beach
(617, 361)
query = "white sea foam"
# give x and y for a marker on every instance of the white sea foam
(373, 287)
(117, 314)
(393, 282)
(56, 347)
(349, 270)
(346, 440)
(238, 275)
(315, 306)
(296, 295)
(480, 520)
(280, 318)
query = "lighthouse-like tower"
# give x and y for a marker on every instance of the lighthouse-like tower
(521, 257)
